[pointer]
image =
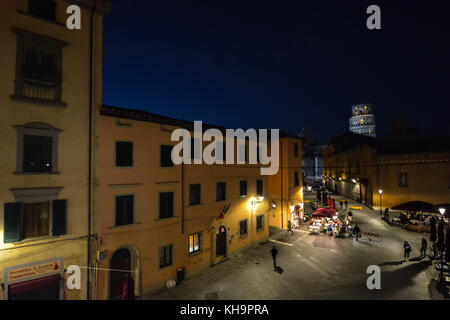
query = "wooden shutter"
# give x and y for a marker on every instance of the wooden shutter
(12, 227)
(59, 217)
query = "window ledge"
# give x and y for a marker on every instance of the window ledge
(41, 18)
(34, 239)
(125, 225)
(195, 204)
(50, 103)
(196, 253)
(167, 219)
(243, 236)
(259, 230)
(35, 173)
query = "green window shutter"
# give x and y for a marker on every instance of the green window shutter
(13, 222)
(59, 217)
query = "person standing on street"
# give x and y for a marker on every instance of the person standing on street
(274, 252)
(356, 231)
(407, 248)
(128, 288)
(289, 225)
(423, 249)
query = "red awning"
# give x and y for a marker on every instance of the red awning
(325, 212)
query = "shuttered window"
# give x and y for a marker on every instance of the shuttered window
(165, 256)
(37, 153)
(296, 181)
(243, 188)
(36, 219)
(243, 228)
(124, 154)
(12, 223)
(166, 156)
(165, 205)
(124, 210)
(43, 9)
(259, 187)
(259, 222)
(59, 217)
(221, 191)
(194, 194)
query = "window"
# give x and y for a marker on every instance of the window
(165, 256)
(124, 210)
(243, 228)
(43, 9)
(259, 187)
(243, 188)
(296, 181)
(38, 69)
(166, 156)
(37, 149)
(195, 242)
(403, 179)
(165, 205)
(221, 191)
(295, 150)
(124, 154)
(30, 220)
(194, 194)
(36, 219)
(259, 222)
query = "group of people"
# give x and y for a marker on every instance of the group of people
(343, 203)
(407, 249)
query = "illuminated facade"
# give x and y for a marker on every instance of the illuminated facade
(363, 120)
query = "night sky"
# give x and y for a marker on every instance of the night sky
(279, 64)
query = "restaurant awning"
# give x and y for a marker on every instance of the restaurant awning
(416, 206)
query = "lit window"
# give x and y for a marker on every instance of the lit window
(194, 242)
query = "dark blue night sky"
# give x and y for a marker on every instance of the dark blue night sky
(279, 64)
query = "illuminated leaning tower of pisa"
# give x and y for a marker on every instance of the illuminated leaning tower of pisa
(363, 120)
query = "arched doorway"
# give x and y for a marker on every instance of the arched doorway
(121, 260)
(221, 242)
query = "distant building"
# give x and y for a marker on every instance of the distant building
(363, 120)
(312, 158)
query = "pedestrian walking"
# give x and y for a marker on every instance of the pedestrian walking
(340, 203)
(423, 249)
(356, 231)
(407, 248)
(289, 225)
(128, 288)
(274, 252)
(346, 203)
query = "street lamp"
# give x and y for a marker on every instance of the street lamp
(441, 273)
(381, 204)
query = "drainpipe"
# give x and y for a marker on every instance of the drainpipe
(91, 98)
(282, 202)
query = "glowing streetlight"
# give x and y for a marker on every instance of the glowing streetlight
(381, 205)
(442, 211)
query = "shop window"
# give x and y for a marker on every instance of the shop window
(38, 69)
(124, 210)
(259, 222)
(37, 149)
(124, 154)
(45, 9)
(165, 256)
(194, 194)
(243, 228)
(30, 220)
(259, 187)
(195, 242)
(243, 188)
(221, 191)
(166, 156)
(403, 179)
(165, 205)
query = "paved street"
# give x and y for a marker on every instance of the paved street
(318, 267)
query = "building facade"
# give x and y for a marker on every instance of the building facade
(286, 187)
(156, 217)
(406, 167)
(46, 108)
(363, 120)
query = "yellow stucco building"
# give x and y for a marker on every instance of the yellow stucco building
(286, 187)
(45, 118)
(156, 217)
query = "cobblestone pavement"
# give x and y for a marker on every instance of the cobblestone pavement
(318, 267)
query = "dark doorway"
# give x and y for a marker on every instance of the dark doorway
(221, 242)
(121, 260)
(47, 288)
